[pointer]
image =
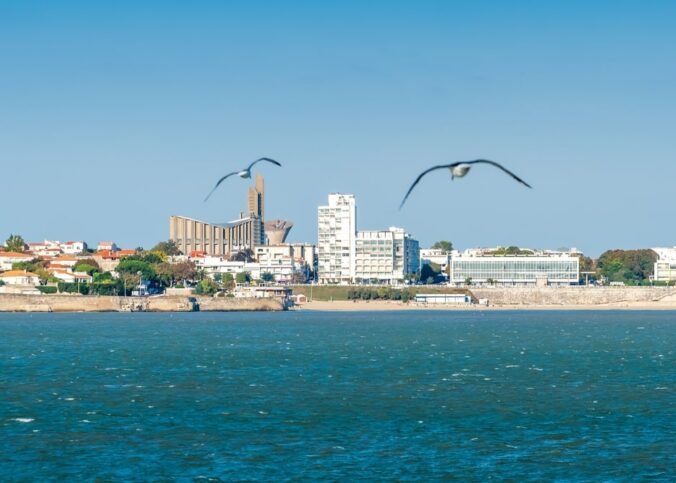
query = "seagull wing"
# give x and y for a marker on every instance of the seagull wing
(499, 166)
(433, 168)
(264, 159)
(219, 183)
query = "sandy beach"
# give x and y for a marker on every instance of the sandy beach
(384, 305)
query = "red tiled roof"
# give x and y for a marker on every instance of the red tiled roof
(18, 273)
(15, 254)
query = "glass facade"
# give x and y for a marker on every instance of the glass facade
(516, 270)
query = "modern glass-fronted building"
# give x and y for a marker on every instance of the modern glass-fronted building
(516, 270)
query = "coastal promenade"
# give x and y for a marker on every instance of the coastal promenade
(502, 298)
(85, 303)
(563, 298)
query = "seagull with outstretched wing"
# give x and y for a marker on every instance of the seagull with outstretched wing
(458, 170)
(244, 174)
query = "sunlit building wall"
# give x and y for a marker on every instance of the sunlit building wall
(515, 270)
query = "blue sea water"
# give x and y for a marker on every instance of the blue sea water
(564, 396)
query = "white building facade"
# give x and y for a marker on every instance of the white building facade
(283, 270)
(385, 256)
(337, 233)
(8, 259)
(346, 255)
(539, 269)
(73, 247)
(665, 266)
(436, 256)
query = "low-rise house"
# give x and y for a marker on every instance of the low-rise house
(20, 277)
(107, 246)
(74, 247)
(48, 248)
(72, 277)
(66, 260)
(283, 294)
(7, 259)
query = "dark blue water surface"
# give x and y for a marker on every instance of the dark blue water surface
(338, 396)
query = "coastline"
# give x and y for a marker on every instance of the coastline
(80, 303)
(163, 303)
(382, 305)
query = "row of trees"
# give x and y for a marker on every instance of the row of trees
(381, 293)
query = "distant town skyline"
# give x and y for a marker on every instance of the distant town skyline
(115, 116)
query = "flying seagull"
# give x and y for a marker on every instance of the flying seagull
(458, 170)
(245, 173)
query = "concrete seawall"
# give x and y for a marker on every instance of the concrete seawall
(80, 303)
(574, 295)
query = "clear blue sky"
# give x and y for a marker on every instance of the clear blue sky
(115, 115)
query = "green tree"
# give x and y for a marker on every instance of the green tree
(228, 281)
(632, 267)
(88, 265)
(468, 281)
(206, 287)
(103, 277)
(169, 248)
(428, 271)
(267, 277)
(246, 255)
(15, 243)
(131, 266)
(512, 250)
(243, 277)
(444, 245)
(587, 265)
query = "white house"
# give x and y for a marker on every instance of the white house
(47, 248)
(7, 259)
(72, 277)
(107, 246)
(73, 247)
(65, 260)
(20, 277)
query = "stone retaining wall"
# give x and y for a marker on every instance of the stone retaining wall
(573, 295)
(81, 303)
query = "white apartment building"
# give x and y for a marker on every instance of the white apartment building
(385, 256)
(346, 255)
(665, 266)
(337, 233)
(536, 269)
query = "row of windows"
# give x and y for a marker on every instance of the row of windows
(515, 270)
